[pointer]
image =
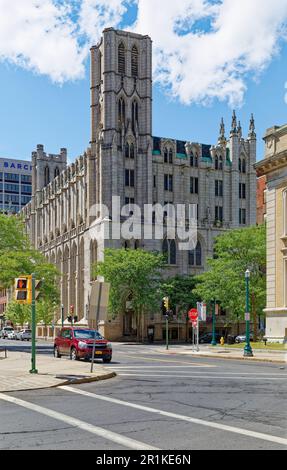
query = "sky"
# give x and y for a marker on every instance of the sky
(209, 57)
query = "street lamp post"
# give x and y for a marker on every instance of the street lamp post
(247, 350)
(213, 343)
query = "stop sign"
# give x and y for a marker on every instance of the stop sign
(193, 315)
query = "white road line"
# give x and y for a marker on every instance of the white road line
(157, 367)
(195, 372)
(201, 422)
(105, 434)
(159, 374)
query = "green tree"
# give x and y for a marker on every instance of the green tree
(180, 290)
(18, 258)
(235, 252)
(18, 314)
(45, 313)
(134, 275)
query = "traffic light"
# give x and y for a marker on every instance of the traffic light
(23, 290)
(165, 306)
(166, 303)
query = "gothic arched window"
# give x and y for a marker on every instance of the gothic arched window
(165, 153)
(244, 166)
(135, 61)
(121, 111)
(57, 172)
(195, 256)
(132, 151)
(172, 252)
(169, 250)
(127, 151)
(46, 175)
(239, 165)
(121, 59)
(221, 163)
(198, 254)
(216, 162)
(170, 156)
(135, 115)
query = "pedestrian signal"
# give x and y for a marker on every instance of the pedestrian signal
(23, 290)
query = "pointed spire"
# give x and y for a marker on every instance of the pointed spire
(239, 130)
(252, 127)
(234, 123)
(222, 132)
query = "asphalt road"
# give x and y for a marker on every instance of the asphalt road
(157, 401)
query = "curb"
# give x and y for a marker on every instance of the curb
(236, 358)
(85, 380)
(71, 381)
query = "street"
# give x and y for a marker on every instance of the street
(157, 401)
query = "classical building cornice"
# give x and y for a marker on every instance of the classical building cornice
(268, 165)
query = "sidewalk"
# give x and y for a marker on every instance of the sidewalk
(52, 372)
(226, 353)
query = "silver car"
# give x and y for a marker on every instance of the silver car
(24, 335)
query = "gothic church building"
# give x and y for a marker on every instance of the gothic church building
(124, 159)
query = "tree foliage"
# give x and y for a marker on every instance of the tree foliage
(180, 290)
(18, 258)
(235, 252)
(134, 276)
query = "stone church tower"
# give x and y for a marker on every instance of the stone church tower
(121, 118)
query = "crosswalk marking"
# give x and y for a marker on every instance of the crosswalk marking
(201, 422)
(104, 433)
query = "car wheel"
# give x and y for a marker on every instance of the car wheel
(107, 359)
(56, 353)
(74, 355)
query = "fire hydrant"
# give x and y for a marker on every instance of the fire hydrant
(222, 341)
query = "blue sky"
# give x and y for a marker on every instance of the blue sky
(37, 108)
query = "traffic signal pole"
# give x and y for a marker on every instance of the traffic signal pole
(33, 358)
(166, 330)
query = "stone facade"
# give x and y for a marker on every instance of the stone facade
(274, 168)
(125, 160)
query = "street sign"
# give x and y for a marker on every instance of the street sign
(247, 316)
(193, 314)
(203, 312)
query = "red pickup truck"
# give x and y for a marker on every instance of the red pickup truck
(78, 344)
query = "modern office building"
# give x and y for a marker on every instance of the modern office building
(15, 184)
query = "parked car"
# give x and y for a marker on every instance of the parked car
(11, 334)
(78, 344)
(207, 338)
(242, 338)
(24, 335)
(6, 330)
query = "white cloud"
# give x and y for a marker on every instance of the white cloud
(200, 66)
(40, 35)
(203, 49)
